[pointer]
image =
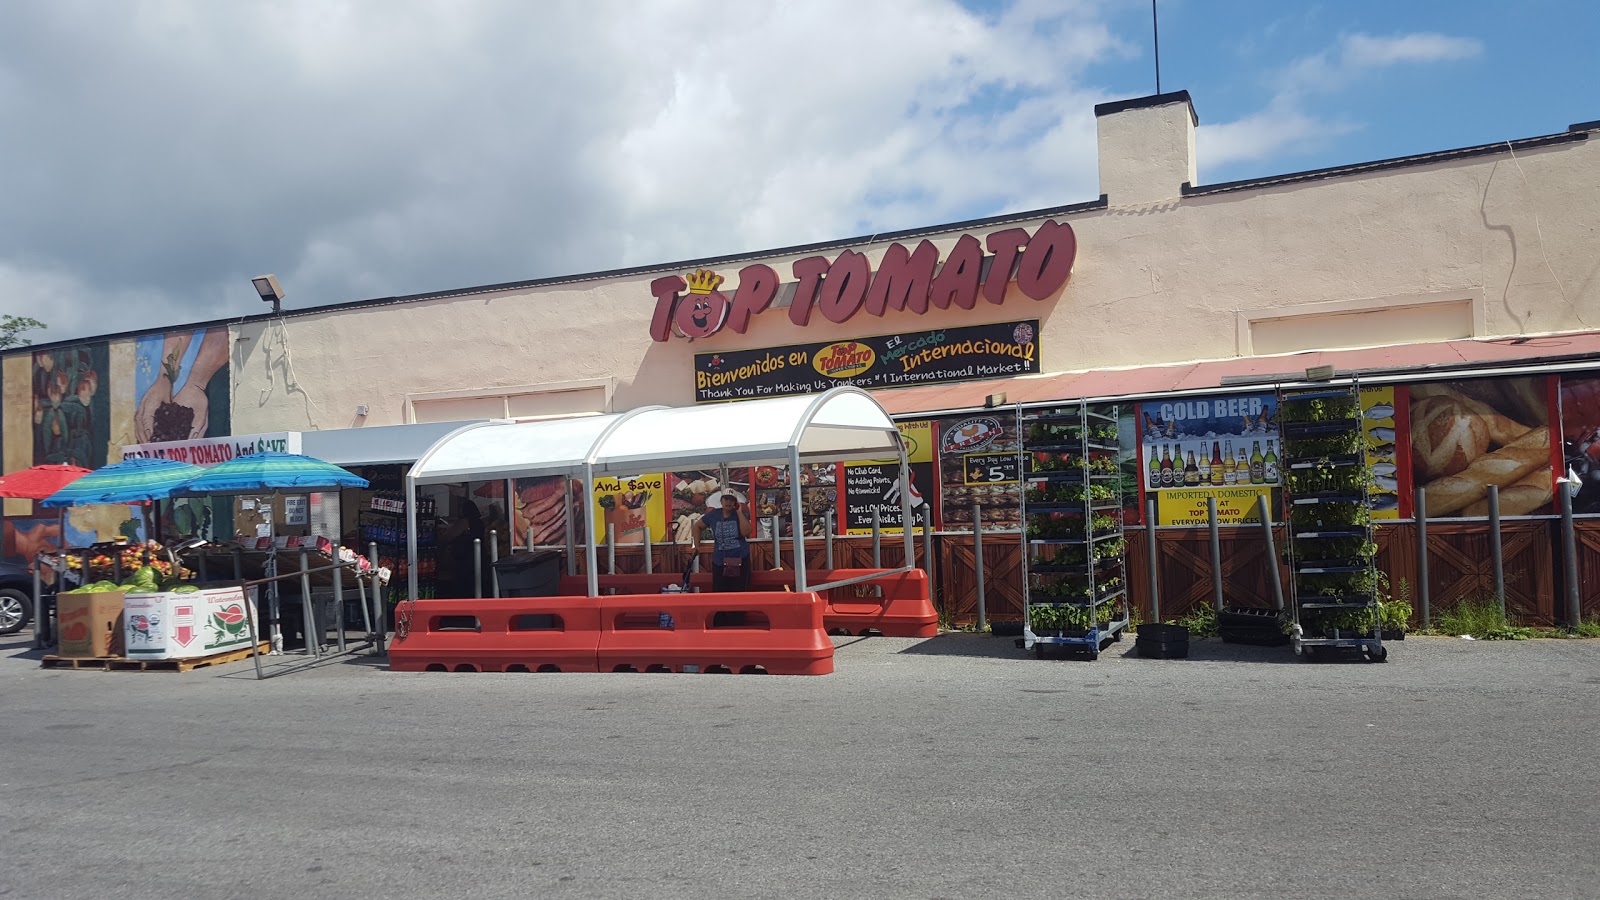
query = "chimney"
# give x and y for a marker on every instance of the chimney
(1146, 148)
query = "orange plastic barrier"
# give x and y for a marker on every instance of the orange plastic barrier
(904, 610)
(742, 633)
(508, 635)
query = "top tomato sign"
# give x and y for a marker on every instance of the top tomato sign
(839, 289)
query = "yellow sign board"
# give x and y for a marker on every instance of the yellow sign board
(631, 505)
(1235, 505)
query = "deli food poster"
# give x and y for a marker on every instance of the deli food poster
(998, 350)
(997, 501)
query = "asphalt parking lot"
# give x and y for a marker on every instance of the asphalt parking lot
(953, 767)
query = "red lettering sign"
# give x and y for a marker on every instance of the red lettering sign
(910, 281)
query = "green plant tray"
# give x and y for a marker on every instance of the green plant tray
(1340, 460)
(1321, 426)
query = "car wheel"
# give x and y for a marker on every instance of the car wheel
(16, 610)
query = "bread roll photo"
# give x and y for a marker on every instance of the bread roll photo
(1503, 467)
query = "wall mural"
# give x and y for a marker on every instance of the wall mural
(71, 406)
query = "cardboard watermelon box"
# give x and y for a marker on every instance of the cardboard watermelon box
(182, 626)
(90, 625)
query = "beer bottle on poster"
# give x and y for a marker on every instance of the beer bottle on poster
(1191, 472)
(1270, 465)
(1205, 465)
(1229, 476)
(1155, 466)
(1242, 469)
(1216, 463)
(1166, 467)
(1258, 464)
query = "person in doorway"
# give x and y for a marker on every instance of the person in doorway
(731, 530)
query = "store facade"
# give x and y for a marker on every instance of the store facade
(1184, 301)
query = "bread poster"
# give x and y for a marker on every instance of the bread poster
(1580, 439)
(1467, 435)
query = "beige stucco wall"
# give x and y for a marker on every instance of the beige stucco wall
(1159, 283)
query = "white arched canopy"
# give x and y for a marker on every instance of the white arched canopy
(845, 423)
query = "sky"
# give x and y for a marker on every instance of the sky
(154, 155)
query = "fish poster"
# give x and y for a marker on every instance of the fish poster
(1469, 434)
(1385, 423)
(1201, 448)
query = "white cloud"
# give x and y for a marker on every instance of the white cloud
(1286, 125)
(1367, 50)
(1276, 131)
(173, 149)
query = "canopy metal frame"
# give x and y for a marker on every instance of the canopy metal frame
(597, 462)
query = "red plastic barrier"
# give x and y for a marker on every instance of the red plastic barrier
(779, 633)
(558, 634)
(904, 610)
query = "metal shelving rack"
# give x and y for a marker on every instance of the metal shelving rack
(1074, 582)
(1333, 570)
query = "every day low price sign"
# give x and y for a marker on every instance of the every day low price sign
(893, 360)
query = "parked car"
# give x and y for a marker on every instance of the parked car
(16, 597)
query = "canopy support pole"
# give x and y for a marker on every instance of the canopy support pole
(591, 555)
(571, 527)
(906, 525)
(797, 519)
(411, 538)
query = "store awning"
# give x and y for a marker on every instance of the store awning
(376, 446)
(501, 448)
(844, 423)
(1406, 362)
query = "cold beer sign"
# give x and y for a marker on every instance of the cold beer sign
(695, 306)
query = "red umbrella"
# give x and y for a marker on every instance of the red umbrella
(39, 482)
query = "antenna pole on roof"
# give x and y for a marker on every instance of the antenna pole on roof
(1155, 28)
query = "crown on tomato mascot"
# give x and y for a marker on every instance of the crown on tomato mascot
(703, 281)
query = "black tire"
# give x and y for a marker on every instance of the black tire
(16, 611)
(1378, 655)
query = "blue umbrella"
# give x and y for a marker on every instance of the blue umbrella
(130, 481)
(271, 471)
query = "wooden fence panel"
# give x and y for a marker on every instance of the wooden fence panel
(1002, 578)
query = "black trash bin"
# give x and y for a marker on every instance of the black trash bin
(535, 574)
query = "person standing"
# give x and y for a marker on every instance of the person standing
(731, 530)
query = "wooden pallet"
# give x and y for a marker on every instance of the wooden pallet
(123, 664)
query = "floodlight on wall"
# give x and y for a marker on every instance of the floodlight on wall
(269, 289)
(1319, 373)
(994, 400)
